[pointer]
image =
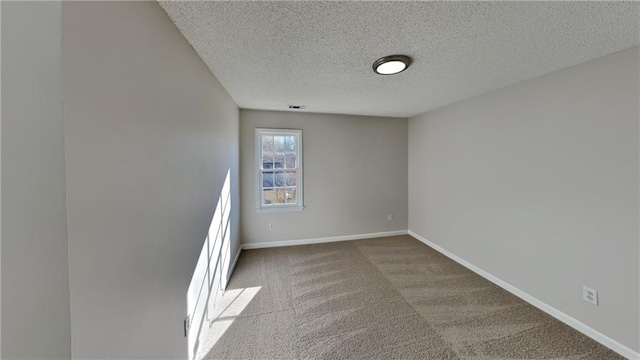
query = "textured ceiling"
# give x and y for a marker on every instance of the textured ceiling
(319, 54)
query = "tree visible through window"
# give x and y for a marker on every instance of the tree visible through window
(279, 162)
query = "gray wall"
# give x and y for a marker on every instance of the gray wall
(355, 170)
(538, 185)
(151, 135)
(35, 282)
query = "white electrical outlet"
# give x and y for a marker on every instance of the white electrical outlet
(390, 217)
(271, 226)
(590, 295)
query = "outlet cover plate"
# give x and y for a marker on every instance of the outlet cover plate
(590, 295)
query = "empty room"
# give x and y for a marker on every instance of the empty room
(273, 180)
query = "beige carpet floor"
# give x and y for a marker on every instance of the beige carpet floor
(384, 298)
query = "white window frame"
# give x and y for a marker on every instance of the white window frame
(260, 206)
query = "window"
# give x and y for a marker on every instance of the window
(279, 169)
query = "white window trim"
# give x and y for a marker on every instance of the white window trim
(299, 206)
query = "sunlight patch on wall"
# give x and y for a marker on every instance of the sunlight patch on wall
(211, 274)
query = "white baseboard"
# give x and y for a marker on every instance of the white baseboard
(574, 323)
(321, 240)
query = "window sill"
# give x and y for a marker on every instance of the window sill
(280, 209)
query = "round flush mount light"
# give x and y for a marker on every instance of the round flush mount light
(391, 64)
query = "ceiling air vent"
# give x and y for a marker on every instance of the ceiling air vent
(297, 107)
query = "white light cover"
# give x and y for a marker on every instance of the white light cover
(391, 67)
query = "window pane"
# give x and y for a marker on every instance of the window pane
(268, 197)
(267, 152)
(290, 195)
(279, 196)
(267, 143)
(290, 143)
(267, 179)
(291, 178)
(278, 143)
(278, 161)
(279, 179)
(290, 160)
(267, 161)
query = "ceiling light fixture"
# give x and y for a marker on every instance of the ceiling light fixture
(391, 64)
